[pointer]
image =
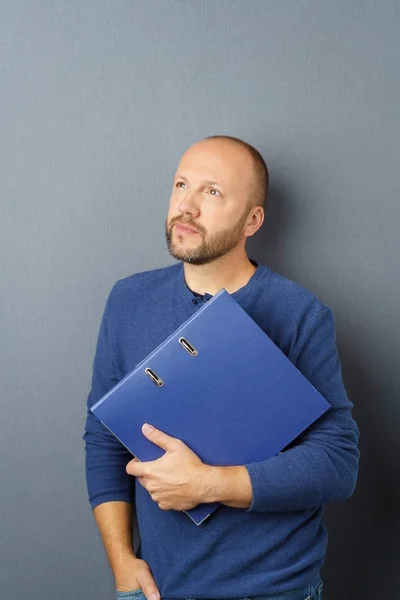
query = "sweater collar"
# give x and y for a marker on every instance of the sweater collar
(191, 296)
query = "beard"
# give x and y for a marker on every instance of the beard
(211, 247)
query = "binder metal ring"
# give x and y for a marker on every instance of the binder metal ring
(154, 377)
(188, 346)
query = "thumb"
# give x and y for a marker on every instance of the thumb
(161, 439)
(147, 584)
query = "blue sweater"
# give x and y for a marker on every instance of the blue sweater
(279, 543)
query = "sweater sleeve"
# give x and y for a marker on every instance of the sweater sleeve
(106, 457)
(321, 465)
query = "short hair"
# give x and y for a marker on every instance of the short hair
(260, 192)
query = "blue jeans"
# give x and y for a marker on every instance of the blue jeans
(311, 592)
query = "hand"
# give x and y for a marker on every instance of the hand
(135, 574)
(177, 480)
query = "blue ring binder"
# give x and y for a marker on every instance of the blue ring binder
(215, 404)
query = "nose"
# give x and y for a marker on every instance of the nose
(189, 204)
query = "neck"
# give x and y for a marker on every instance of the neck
(231, 272)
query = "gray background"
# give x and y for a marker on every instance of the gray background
(98, 101)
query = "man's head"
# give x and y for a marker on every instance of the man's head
(219, 191)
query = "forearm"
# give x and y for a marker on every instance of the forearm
(114, 520)
(302, 478)
(322, 468)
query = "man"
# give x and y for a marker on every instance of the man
(268, 538)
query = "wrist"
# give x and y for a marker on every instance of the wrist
(124, 563)
(228, 485)
(207, 483)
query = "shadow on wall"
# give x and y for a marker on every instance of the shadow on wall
(364, 532)
(362, 559)
(270, 240)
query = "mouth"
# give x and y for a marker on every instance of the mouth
(185, 229)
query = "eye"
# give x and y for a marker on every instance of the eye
(180, 184)
(214, 192)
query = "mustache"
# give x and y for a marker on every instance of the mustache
(183, 221)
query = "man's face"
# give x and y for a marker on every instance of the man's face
(209, 205)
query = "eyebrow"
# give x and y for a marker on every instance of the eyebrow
(208, 182)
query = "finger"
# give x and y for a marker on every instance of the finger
(136, 468)
(161, 439)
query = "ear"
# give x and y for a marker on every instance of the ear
(254, 221)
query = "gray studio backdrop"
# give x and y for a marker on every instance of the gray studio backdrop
(98, 100)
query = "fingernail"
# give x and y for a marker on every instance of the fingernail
(147, 429)
(155, 596)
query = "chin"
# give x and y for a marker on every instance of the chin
(182, 241)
